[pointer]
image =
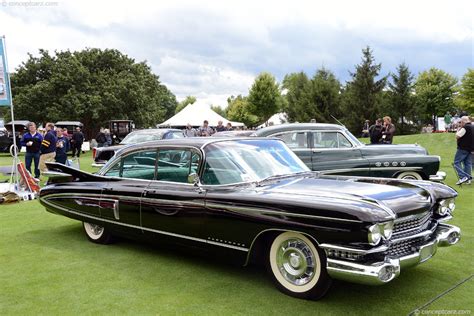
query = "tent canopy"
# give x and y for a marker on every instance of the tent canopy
(195, 114)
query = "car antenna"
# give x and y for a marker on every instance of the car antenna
(337, 121)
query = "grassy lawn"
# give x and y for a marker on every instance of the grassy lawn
(47, 266)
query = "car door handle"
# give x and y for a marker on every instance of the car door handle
(315, 151)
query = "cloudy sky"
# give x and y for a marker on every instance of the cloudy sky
(214, 49)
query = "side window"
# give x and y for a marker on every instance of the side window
(115, 170)
(139, 165)
(174, 135)
(294, 139)
(330, 140)
(175, 165)
(343, 141)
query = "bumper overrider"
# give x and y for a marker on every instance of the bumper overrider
(377, 273)
(438, 177)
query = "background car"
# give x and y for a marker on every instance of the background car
(6, 136)
(253, 199)
(333, 149)
(102, 154)
(119, 129)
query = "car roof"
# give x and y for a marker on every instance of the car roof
(297, 126)
(155, 130)
(196, 142)
(69, 123)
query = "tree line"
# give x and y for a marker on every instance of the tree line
(94, 86)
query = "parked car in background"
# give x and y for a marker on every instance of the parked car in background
(333, 149)
(253, 199)
(119, 129)
(6, 136)
(70, 126)
(102, 154)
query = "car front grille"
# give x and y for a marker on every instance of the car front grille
(411, 225)
(405, 247)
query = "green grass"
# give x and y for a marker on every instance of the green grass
(47, 266)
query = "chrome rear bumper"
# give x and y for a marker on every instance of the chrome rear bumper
(439, 176)
(382, 272)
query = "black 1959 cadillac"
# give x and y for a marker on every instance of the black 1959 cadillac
(333, 149)
(252, 199)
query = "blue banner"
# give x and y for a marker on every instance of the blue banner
(5, 97)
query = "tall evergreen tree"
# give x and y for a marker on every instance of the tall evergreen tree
(363, 93)
(326, 95)
(401, 97)
(298, 106)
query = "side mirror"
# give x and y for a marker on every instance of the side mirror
(194, 179)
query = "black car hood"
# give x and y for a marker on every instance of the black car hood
(368, 199)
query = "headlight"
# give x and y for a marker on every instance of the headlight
(446, 206)
(387, 229)
(380, 231)
(375, 234)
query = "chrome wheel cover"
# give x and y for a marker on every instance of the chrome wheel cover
(295, 261)
(94, 231)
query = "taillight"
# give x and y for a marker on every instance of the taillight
(94, 151)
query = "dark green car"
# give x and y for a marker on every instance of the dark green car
(333, 149)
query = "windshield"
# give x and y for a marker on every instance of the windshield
(248, 160)
(134, 138)
(353, 138)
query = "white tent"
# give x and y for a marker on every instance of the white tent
(276, 119)
(195, 114)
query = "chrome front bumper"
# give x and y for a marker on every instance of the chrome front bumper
(382, 272)
(438, 177)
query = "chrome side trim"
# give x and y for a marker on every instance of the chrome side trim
(255, 210)
(355, 250)
(144, 228)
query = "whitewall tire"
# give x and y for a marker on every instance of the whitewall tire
(298, 266)
(97, 234)
(409, 175)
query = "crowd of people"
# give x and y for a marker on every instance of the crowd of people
(206, 130)
(48, 145)
(381, 132)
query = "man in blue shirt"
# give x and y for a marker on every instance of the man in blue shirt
(62, 146)
(32, 141)
(48, 147)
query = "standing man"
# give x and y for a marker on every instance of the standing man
(463, 157)
(32, 141)
(388, 130)
(220, 126)
(48, 147)
(190, 131)
(375, 132)
(205, 130)
(101, 139)
(62, 146)
(365, 129)
(76, 142)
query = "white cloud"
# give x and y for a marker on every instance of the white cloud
(213, 49)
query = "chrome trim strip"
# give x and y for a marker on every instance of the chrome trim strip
(355, 250)
(255, 210)
(421, 234)
(212, 205)
(144, 228)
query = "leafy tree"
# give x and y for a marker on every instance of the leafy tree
(219, 110)
(91, 86)
(264, 98)
(434, 91)
(363, 94)
(238, 110)
(465, 100)
(401, 98)
(188, 100)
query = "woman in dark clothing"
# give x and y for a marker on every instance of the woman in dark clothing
(388, 130)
